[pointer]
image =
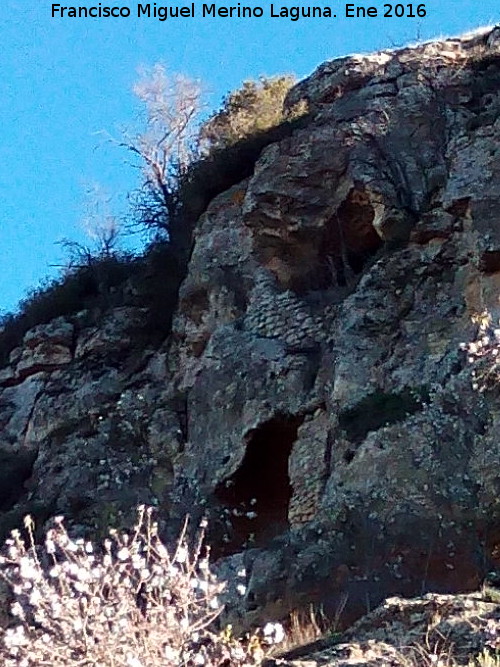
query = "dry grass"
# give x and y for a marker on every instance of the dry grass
(305, 628)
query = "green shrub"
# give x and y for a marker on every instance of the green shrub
(230, 159)
(156, 287)
(255, 107)
(90, 286)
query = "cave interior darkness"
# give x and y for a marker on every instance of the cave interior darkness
(257, 495)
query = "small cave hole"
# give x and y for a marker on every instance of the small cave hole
(489, 261)
(349, 455)
(255, 499)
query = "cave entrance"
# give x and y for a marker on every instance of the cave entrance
(256, 497)
(350, 238)
(15, 469)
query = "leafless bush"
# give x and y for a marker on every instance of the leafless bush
(132, 603)
(99, 223)
(167, 146)
(102, 230)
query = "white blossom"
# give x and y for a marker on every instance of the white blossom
(274, 632)
(123, 554)
(181, 554)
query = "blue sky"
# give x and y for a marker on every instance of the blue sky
(66, 81)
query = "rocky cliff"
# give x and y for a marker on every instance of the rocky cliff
(312, 399)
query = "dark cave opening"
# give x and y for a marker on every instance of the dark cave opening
(15, 469)
(489, 261)
(256, 497)
(350, 239)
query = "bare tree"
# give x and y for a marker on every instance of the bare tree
(100, 226)
(168, 145)
(99, 223)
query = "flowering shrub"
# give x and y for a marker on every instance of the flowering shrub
(132, 603)
(484, 353)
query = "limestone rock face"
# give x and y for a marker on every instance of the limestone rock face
(81, 408)
(45, 348)
(330, 408)
(312, 399)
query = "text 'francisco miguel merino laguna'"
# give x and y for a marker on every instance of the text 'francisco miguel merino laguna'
(162, 13)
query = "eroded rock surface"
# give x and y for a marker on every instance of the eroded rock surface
(312, 399)
(367, 241)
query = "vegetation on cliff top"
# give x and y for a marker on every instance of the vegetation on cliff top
(184, 165)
